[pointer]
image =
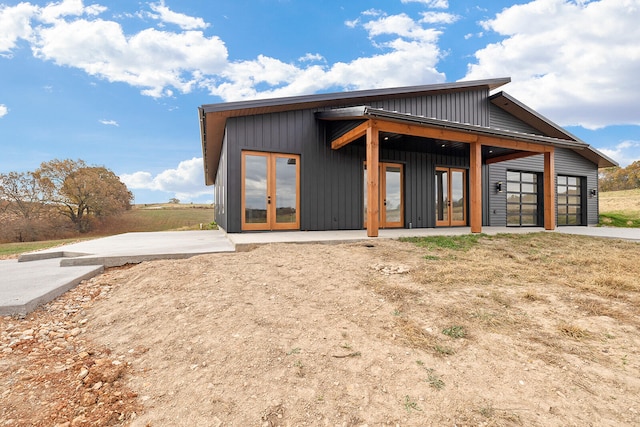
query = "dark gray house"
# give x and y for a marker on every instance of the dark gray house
(439, 155)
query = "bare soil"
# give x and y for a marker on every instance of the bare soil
(531, 330)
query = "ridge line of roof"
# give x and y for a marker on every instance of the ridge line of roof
(340, 96)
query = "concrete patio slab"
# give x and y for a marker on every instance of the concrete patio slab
(39, 277)
(24, 286)
(133, 248)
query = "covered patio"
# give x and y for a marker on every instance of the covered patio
(484, 145)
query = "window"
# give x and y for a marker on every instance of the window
(522, 199)
(570, 200)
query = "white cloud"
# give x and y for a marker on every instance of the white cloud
(624, 153)
(577, 62)
(186, 181)
(109, 122)
(408, 55)
(71, 34)
(3, 110)
(161, 62)
(438, 18)
(311, 57)
(15, 23)
(185, 22)
(436, 4)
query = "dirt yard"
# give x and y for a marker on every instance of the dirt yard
(530, 330)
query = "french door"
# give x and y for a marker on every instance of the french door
(270, 191)
(391, 195)
(451, 197)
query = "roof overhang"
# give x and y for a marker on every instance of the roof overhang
(213, 117)
(365, 113)
(547, 127)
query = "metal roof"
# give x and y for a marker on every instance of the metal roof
(261, 106)
(213, 117)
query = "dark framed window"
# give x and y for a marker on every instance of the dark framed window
(570, 200)
(523, 207)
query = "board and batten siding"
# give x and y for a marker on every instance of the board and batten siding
(220, 188)
(567, 162)
(331, 194)
(500, 119)
(469, 107)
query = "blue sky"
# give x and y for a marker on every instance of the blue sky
(118, 83)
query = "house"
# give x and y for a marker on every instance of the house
(441, 155)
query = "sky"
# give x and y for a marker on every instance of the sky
(117, 83)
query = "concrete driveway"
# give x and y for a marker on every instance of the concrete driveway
(39, 277)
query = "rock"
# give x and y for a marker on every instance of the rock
(83, 373)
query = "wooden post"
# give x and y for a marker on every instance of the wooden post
(549, 190)
(373, 179)
(475, 187)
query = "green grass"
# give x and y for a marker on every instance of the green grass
(159, 218)
(620, 208)
(455, 331)
(461, 243)
(7, 249)
(620, 219)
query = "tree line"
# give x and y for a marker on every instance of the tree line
(617, 178)
(59, 198)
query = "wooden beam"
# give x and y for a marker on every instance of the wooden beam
(425, 131)
(549, 191)
(475, 187)
(355, 133)
(511, 156)
(373, 179)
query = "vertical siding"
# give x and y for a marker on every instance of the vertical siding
(567, 162)
(220, 188)
(500, 119)
(464, 107)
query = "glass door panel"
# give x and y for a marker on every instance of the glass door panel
(255, 191)
(458, 197)
(451, 197)
(286, 194)
(392, 196)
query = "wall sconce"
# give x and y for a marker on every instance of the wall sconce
(499, 186)
(593, 192)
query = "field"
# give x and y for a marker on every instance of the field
(511, 330)
(155, 217)
(620, 208)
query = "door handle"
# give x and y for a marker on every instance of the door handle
(268, 200)
(385, 202)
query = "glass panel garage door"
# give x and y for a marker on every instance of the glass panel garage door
(569, 200)
(522, 199)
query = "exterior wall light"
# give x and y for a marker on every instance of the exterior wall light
(499, 186)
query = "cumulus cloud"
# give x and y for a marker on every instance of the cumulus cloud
(409, 54)
(624, 153)
(185, 22)
(436, 4)
(161, 62)
(3, 110)
(15, 24)
(72, 34)
(575, 61)
(186, 181)
(439, 18)
(109, 122)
